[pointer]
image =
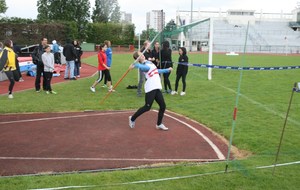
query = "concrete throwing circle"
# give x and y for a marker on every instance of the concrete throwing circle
(80, 141)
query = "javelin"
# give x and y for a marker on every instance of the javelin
(123, 76)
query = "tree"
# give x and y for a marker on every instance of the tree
(65, 10)
(3, 6)
(106, 10)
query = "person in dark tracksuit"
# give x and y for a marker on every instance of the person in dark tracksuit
(166, 62)
(37, 60)
(181, 71)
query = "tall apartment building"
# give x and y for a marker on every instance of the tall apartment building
(126, 17)
(155, 20)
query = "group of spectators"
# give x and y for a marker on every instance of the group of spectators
(44, 57)
(162, 58)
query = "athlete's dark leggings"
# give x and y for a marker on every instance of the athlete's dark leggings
(149, 98)
(12, 77)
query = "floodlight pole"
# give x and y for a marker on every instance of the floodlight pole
(210, 53)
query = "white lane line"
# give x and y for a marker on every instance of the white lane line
(160, 179)
(111, 159)
(261, 105)
(61, 117)
(213, 146)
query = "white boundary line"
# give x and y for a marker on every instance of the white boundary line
(213, 146)
(61, 117)
(111, 159)
(261, 105)
(162, 179)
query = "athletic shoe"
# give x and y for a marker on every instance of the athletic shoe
(21, 80)
(10, 96)
(111, 90)
(104, 86)
(53, 92)
(174, 92)
(131, 123)
(162, 127)
(92, 89)
(182, 93)
(47, 92)
(38, 91)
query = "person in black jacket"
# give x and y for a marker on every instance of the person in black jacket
(78, 58)
(70, 54)
(181, 71)
(37, 60)
(148, 56)
(166, 62)
(156, 55)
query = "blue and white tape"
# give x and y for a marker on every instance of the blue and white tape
(240, 68)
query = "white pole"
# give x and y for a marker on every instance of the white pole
(210, 53)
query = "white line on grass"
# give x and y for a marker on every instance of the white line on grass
(261, 105)
(164, 179)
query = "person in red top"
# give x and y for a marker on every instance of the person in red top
(103, 69)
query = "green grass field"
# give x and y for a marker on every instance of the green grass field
(262, 107)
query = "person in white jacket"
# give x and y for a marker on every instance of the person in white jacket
(152, 89)
(48, 61)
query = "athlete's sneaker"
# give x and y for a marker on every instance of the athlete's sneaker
(104, 86)
(182, 93)
(47, 92)
(10, 96)
(174, 92)
(131, 123)
(92, 89)
(53, 92)
(162, 127)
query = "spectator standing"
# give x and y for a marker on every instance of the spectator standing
(78, 51)
(56, 52)
(8, 65)
(108, 53)
(37, 60)
(48, 60)
(148, 56)
(166, 62)
(181, 71)
(156, 55)
(70, 54)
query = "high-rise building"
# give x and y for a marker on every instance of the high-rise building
(155, 20)
(126, 17)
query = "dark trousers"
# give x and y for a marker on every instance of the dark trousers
(12, 77)
(149, 98)
(48, 77)
(178, 76)
(39, 72)
(76, 69)
(108, 77)
(167, 82)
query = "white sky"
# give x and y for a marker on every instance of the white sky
(138, 8)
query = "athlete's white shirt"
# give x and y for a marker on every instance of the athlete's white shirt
(153, 79)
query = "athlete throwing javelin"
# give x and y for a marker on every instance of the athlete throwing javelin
(152, 89)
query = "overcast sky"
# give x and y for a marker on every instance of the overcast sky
(138, 8)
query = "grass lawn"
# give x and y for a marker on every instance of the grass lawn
(262, 107)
